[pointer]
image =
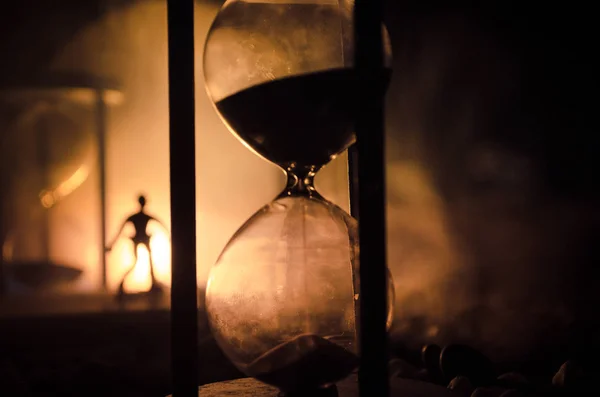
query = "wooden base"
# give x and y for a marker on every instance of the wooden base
(249, 387)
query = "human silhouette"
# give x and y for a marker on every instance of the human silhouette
(140, 221)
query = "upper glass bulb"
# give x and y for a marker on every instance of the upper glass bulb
(281, 75)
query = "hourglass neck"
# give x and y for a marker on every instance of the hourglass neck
(300, 181)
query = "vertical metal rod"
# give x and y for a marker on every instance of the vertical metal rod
(373, 371)
(184, 304)
(101, 136)
(353, 180)
(43, 160)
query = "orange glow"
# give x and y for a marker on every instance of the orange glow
(139, 279)
(130, 44)
(49, 198)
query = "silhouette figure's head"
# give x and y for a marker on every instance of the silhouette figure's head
(142, 201)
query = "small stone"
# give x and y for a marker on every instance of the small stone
(513, 393)
(513, 377)
(488, 392)
(423, 375)
(462, 360)
(430, 356)
(513, 380)
(560, 377)
(462, 385)
(572, 375)
(399, 368)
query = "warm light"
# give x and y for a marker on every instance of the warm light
(161, 255)
(139, 279)
(49, 198)
(130, 45)
(89, 97)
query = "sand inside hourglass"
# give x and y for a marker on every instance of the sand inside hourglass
(305, 362)
(304, 119)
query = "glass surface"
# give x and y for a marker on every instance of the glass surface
(49, 160)
(282, 298)
(285, 277)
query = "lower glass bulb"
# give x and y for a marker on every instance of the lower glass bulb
(282, 297)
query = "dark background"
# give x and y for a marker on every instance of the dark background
(496, 103)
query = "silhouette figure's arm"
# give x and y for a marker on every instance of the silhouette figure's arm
(161, 225)
(109, 246)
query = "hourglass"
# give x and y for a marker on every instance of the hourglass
(282, 298)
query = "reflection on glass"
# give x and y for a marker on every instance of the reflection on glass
(50, 161)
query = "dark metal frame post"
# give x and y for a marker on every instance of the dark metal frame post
(353, 180)
(370, 131)
(184, 289)
(101, 135)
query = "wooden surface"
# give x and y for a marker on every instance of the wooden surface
(249, 387)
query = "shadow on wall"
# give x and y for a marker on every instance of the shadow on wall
(493, 206)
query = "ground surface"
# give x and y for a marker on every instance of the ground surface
(113, 350)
